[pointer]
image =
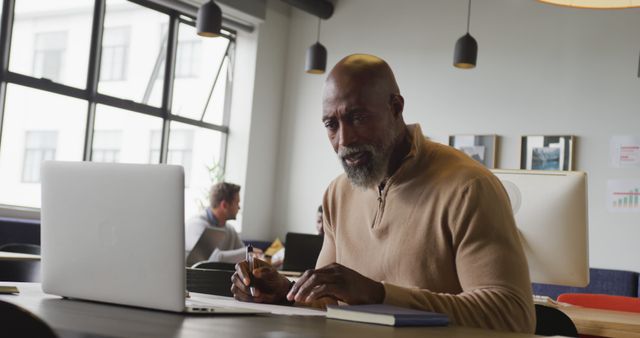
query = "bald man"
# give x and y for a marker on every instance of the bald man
(410, 223)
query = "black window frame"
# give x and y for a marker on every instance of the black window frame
(90, 93)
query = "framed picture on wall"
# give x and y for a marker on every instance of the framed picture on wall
(481, 148)
(547, 152)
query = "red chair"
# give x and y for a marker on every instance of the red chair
(604, 302)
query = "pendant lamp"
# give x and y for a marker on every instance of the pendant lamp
(466, 50)
(209, 21)
(316, 56)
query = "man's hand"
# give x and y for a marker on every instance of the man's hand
(338, 282)
(269, 285)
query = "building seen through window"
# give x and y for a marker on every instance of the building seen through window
(106, 146)
(180, 150)
(40, 146)
(115, 49)
(48, 56)
(188, 59)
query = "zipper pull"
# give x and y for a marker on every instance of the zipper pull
(381, 189)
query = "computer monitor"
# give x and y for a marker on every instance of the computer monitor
(550, 209)
(301, 252)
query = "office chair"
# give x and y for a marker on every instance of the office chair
(25, 248)
(213, 282)
(19, 271)
(214, 266)
(553, 322)
(18, 322)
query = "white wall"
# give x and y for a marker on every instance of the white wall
(256, 108)
(541, 70)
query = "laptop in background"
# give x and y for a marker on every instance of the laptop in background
(302, 251)
(115, 233)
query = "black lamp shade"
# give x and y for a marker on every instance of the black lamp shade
(316, 59)
(466, 52)
(209, 20)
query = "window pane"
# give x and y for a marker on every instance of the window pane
(34, 132)
(123, 136)
(198, 150)
(115, 50)
(133, 56)
(51, 40)
(106, 145)
(40, 146)
(197, 62)
(180, 149)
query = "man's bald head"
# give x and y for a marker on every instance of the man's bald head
(367, 74)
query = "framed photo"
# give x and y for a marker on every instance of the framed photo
(547, 152)
(481, 148)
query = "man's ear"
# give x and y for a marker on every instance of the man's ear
(223, 205)
(397, 105)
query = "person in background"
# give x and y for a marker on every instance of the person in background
(319, 228)
(410, 223)
(224, 206)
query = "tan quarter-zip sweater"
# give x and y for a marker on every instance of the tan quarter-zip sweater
(440, 236)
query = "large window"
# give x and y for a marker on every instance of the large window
(133, 85)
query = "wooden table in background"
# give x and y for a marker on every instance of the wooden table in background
(605, 323)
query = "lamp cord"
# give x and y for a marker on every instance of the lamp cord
(318, 38)
(468, 16)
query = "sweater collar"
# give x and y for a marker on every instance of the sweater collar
(416, 151)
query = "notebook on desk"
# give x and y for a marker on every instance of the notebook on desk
(386, 315)
(115, 233)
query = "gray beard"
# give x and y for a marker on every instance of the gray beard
(374, 171)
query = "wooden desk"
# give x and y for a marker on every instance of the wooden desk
(14, 256)
(604, 323)
(71, 318)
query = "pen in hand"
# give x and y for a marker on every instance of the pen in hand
(249, 258)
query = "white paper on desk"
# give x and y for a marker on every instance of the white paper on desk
(274, 309)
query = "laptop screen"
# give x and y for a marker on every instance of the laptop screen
(302, 251)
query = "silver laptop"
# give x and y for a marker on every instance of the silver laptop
(115, 233)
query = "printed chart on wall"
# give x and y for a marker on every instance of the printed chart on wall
(623, 195)
(625, 151)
